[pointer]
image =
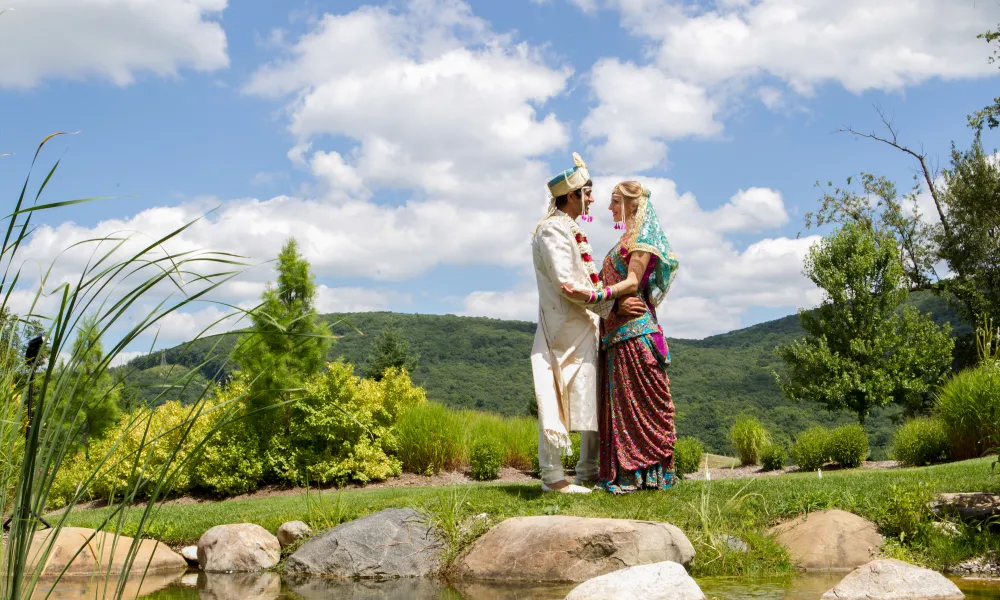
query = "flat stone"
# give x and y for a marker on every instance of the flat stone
(291, 532)
(832, 540)
(99, 553)
(238, 548)
(395, 542)
(891, 579)
(190, 554)
(658, 581)
(570, 549)
(973, 506)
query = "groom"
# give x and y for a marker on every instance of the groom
(564, 355)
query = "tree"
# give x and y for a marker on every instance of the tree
(990, 115)
(390, 350)
(287, 342)
(95, 398)
(861, 352)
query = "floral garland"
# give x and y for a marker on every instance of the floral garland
(586, 253)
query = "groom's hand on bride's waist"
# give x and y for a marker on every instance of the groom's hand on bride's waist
(630, 308)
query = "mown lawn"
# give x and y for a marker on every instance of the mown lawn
(708, 512)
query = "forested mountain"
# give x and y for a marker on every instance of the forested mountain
(483, 363)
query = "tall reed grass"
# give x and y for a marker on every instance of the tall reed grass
(121, 275)
(749, 439)
(433, 438)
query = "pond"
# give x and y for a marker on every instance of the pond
(194, 585)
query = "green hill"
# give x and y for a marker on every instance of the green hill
(482, 363)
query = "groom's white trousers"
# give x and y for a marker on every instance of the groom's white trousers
(550, 459)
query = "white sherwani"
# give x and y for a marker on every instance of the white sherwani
(564, 355)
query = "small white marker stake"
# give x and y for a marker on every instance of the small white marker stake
(820, 473)
(708, 476)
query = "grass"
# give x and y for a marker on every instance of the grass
(708, 512)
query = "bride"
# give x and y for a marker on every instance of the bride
(636, 411)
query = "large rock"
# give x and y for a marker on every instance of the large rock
(570, 549)
(99, 553)
(891, 579)
(658, 581)
(973, 506)
(291, 532)
(396, 542)
(244, 547)
(833, 540)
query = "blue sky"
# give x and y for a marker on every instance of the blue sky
(406, 144)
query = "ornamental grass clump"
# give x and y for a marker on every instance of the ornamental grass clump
(969, 406)
(430, 439)
(773, 457)
(485, 460)
(848, 446)
(811, 449)
(688, 452)
(748, 438)
(921, 441)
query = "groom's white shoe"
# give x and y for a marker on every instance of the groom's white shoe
(569, 489)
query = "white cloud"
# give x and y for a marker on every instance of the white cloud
(433, 99)
(861, 45)
(716, 283)
(110, 39)
(356, 299)
(638, 108)
(518, 305)
(771, 97)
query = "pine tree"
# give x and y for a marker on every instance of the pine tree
(389, 350)
(287, 342)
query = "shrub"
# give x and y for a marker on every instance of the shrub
(343, 428)
(688, 452)
(811, 448)
(920, 442)
(969, 406)
(430, 439)
(848, 446)
(773, 457)
(231, 461)
(748, 438)
(485, 459)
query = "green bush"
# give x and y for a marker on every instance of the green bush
(969, 406)
(430, 439)
(920, 442)
(748, 438)
(906, 512)
(848, 446)
(811, 448)
(485, 460)
(688, 452)
(773, 457)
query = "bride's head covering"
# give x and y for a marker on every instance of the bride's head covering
(644, 234)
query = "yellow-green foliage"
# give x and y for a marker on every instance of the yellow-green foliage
(231, 462)
(150, 444)
(749, 438)
(342, 428)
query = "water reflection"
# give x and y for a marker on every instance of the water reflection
(194, 585)
(98, 587)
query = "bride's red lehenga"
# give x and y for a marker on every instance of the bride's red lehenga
(635, 409)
